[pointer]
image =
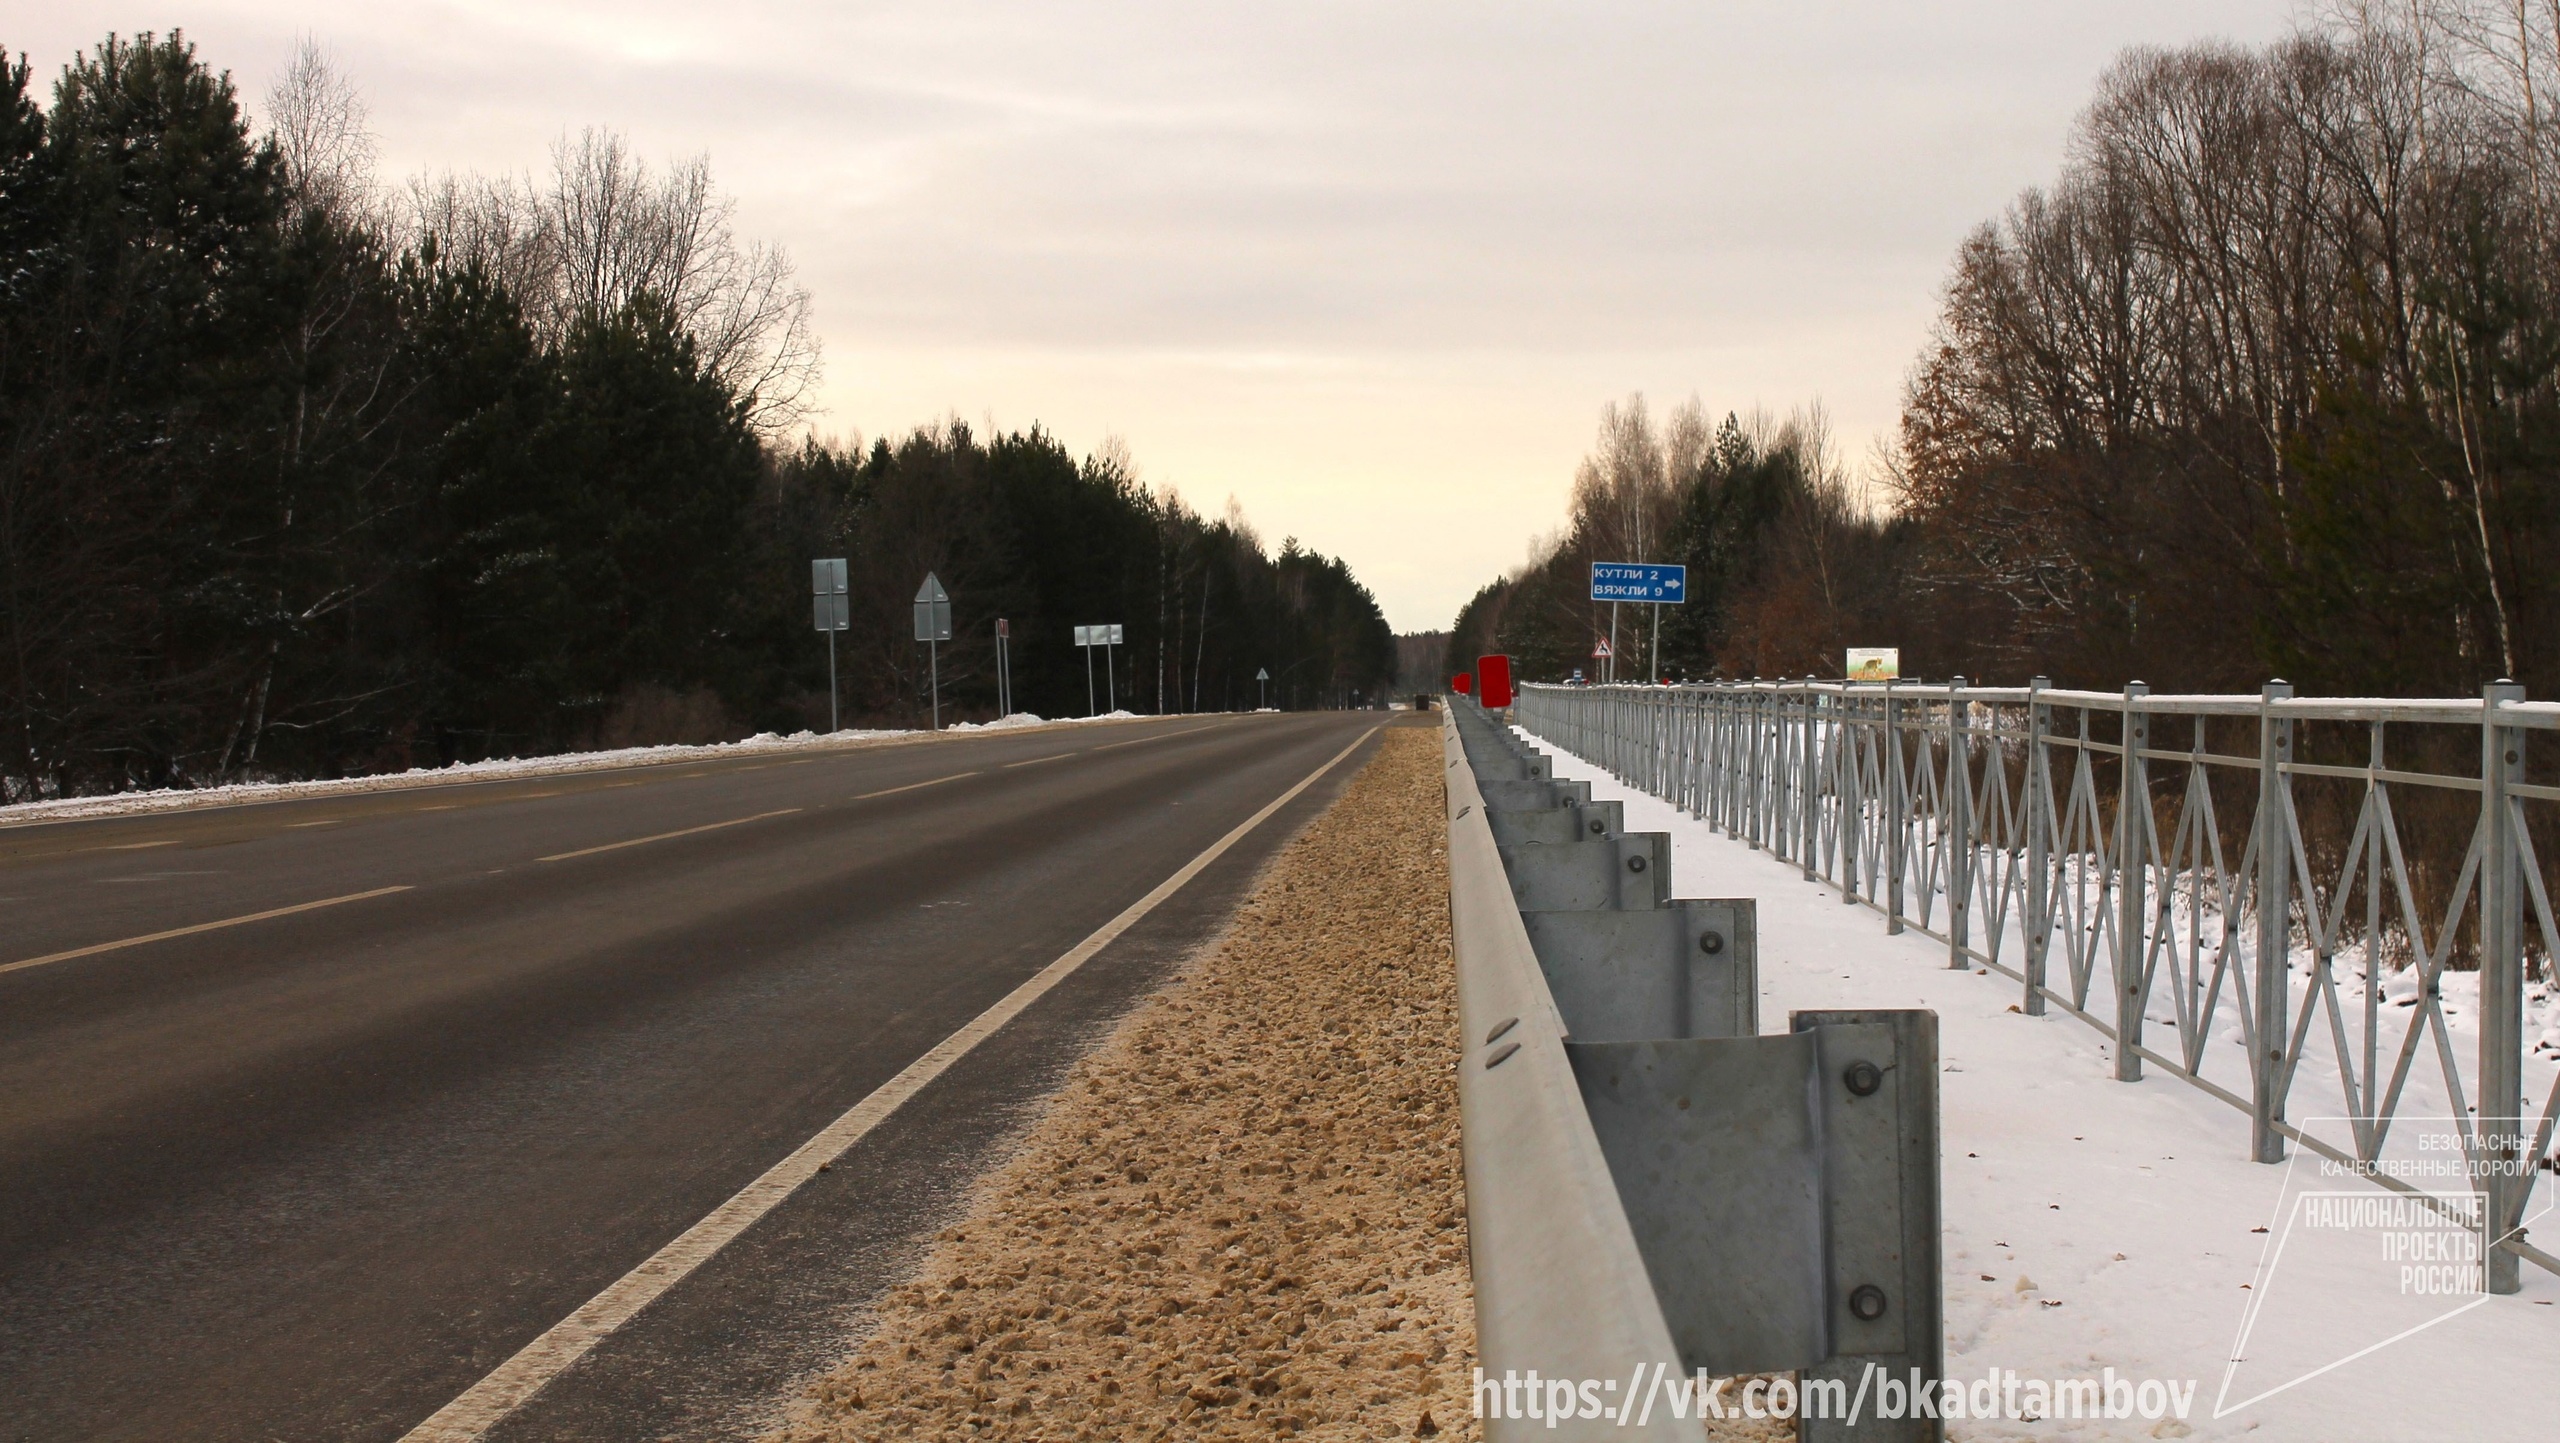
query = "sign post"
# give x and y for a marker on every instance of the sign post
(1261, 688)
(1651, 582)
(834, 614)
(933, 627)
(1106, 637)
(1004, 671)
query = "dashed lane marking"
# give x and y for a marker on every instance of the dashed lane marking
(665, 836)
(119, 945)
(909, 787)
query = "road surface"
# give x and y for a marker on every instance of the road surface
(313, 1112)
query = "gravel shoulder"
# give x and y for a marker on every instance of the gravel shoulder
(1243, 1214)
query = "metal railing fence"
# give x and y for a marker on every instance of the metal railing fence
(1993, 818)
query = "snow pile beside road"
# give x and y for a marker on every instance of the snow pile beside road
(179, 798)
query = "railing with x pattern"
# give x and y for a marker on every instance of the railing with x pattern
(1993, 818)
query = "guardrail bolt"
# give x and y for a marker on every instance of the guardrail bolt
(1864, 1078)
(1867, 1301)
(1635, 864)
(1711, 942)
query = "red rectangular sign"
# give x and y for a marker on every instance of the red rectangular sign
(1495, 673)
(1462, 683)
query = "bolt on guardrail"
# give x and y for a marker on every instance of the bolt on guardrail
(1648, 1178)
(1994, 819)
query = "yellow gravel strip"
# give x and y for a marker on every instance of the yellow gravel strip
(1242, 1217)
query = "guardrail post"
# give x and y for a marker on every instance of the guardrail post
(1896, 806)
(1881, 1143)
(2502, 1146)
(2133, 877)
(2038, 918)
(2273, 977)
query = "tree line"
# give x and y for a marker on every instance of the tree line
(301, 475)
(2267, 382)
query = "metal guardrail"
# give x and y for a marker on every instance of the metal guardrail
(1650, 1183)
(1993, 818)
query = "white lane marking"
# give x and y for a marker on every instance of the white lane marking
(191, 931)
(909, 787)
(515, 1381)
(1035, 761)
(1160, 736)
(663, 836)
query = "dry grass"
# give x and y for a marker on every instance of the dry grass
(1243, 1215)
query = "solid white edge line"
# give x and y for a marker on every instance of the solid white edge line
(514, 1383)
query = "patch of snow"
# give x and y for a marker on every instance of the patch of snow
(181, 798)
(2134, 1207)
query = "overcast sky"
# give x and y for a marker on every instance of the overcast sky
(1372, 269)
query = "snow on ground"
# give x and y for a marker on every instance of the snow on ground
(181, 798)
(2092, 1224)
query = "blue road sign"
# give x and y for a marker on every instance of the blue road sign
(1639, 581)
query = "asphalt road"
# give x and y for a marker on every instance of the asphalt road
(310, 1176)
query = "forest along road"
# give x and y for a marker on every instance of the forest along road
(314, 1112)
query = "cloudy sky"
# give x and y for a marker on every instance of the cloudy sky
(1369, 268)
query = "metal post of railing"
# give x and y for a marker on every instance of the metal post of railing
(1693, 753)
(1746, 777)
(2133, 876)
(1782, 732)
(2273, 977)
(1957, 810)
(1730, 727)
(1849, 781)
(1667, 746)
(1809, 805)
(2501, 988)
(2038, 919)
(1896, 808)
(1684, 730)
(1785, 740)
(1728, 765)
(1773, 773)
(1693, 707)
